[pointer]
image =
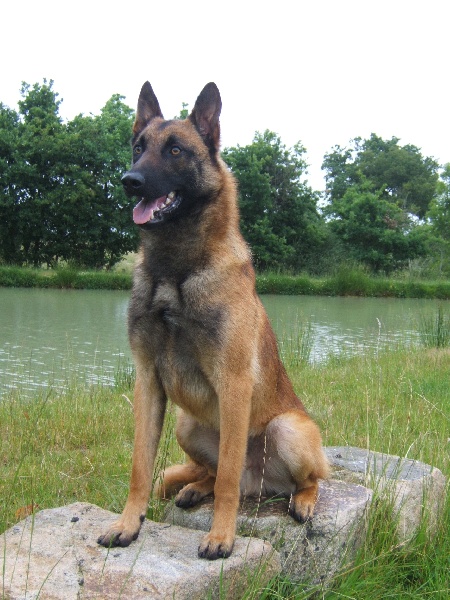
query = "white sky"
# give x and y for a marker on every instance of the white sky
(320, 72)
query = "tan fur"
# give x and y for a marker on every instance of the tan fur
(200, 335)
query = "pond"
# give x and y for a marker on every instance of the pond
(50, 337)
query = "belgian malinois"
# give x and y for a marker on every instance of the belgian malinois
(200, 336)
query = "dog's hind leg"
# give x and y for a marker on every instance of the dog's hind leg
(174, 478)
(297, 442)
(193, 492)
(195, 479)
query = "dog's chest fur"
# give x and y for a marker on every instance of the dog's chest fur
(173, 325)
(176, 310)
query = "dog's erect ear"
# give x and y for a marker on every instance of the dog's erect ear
(205, 115)
(147, 108)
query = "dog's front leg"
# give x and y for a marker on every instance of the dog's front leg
(234, 406)
(149, 409)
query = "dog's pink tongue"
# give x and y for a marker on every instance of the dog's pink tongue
(143, 211)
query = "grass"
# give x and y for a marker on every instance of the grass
(58, 449)
(352, 281)
(296, 345)
(435, 330)
(348, 281)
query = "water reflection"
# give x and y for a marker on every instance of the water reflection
(50, 337)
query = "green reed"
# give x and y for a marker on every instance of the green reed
(434, 329)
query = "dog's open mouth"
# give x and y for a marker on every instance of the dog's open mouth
(154, 211)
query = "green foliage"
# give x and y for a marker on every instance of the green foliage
(279, 217)
(440, 209)
(184, 112)
(439, 223)
(404, 176)
(61, 197)
(12, 276)
(104, 231)
(376, 231)
(279, 283)
(378, 194)
(407, 177)
(29, 158)
(351, 281)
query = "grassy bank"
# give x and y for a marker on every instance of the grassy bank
(347, 282)
(64, 279)
(77, 447)
(351, 282)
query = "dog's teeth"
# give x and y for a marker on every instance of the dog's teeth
(152, 212)
(167, 202)
(171, 196)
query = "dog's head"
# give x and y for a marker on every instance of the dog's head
(175, 168)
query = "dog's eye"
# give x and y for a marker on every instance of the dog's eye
(175, 150)
(137, 149)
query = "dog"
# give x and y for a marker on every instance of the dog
(200, 336)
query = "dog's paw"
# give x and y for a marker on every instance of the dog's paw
(301, 513)
(189, 496)
(121, 533)
(302, 505)
(213, 547)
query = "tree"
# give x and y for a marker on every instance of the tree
(404, 176)
(97, 225)
(279, 217)
(184, 112)
(439, 220)
(373, 229)
(439, 212)
(32, 175)
(388, 189)
(10, 223)
(61, 196)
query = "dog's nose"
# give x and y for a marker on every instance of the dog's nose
(133, 182)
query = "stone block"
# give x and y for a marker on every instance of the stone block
(310, 552)
(53, 555)
(413, 487)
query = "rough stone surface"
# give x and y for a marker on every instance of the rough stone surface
(310, 552)
(55, 556)
(413, 487)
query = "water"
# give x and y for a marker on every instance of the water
(51, 337)
(349, 325)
